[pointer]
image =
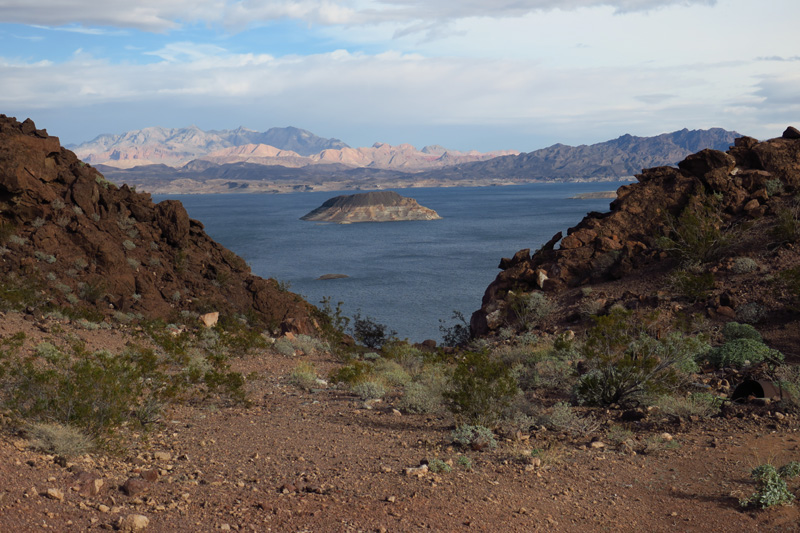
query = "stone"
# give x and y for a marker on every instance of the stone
(541, 277)
(417, 471)
(726, 311)
(162, 456)
(751, 205)
(666, 437)
(173, 220)
(598, 444)
(133, 522)
(55, 494)
(134, 486)
(791, 133)
(150, 475)
(210, 320)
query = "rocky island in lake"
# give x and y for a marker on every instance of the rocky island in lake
(380, 206)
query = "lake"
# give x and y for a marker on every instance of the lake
(407, 275)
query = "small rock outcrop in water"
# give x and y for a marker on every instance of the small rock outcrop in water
(382, 206)
(70, 238)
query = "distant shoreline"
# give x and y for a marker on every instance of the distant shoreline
(594, 195)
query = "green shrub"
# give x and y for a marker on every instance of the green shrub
(458, 334)
(696, 235)
(692, 286)
(369, 390)
(475, 437)
(481, 389)
(370, 333)
(734, 330)
(391, 372)
(744, 265)
(751, 312)
(771, 488)
(702, 404)
(304, 376)
(789, 470)
(425, 395)
(774, 187)
(128, 245)
(59, 439)
(563, 418)
(437, 465)
(626, 363)
(741, 352)
(528, 310)
(284, 347)
(787, 226)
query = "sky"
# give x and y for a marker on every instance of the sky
(469, 74)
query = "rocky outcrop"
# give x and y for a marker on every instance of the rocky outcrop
(622, 243)
(382, 206)
(85, 244)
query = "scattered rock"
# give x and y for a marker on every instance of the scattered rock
(791, 133)
(418, 471)
(55, 494)
(133, 522)
(210, 320)
(135, 486)
(164, 456)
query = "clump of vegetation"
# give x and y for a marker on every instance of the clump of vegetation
(627, 363)
(751, 312)
(563, 418)
(739, 353)
(744, 265)
(700, 404)
(697, 235)
(481, 389)
(475, 437)
(304, 376)
(424, 395)
(774, 187)
(371, 333)
(771, 488)
(59, 439)
(458, 334)
(694, 286)
(528, 310)
(787, 225)
(438, 466)
(735, 330)
(369, 390)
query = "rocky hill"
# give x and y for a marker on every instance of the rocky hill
(72, 239)
(380, 206)
(715, 237)
(611, 160)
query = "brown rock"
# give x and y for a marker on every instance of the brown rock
(133, 522)
(791, 133)
(726, 311)
(173, 220)
(135, 486)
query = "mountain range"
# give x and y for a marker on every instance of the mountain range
(191, 160)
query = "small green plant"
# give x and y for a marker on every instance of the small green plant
(771, 488)
(751, 312)
(128, 245)
(742, 352)
(38, 222)
(528, 310)
(563, 418)
(475, 437)
(19, 241)
(744, 265)
(57, 204)
(369, 390)
(464, 462)
(734, 330)
(481, 389)
(438, 466)
(77, 210)
(458, 334)
(371, 333)
(424, 396)
(774, 187)
(787, 225)
(47, 258)
(697, 234)
(700, 404)
(59, 439)
(304, 376)
(284, 347)
(694, 286)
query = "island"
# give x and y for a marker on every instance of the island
(378, 206)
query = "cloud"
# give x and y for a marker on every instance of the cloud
(164, 15)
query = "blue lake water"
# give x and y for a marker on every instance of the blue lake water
(406, 275)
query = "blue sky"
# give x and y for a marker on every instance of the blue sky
(475, 74)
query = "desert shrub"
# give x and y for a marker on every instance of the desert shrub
(57, 204)
(38, 222)
(457, 334)
(369, 390)
(351, 373)
(563, 418)
(438, 466)
(694, 286)
(304, 376)
(787, 225)
(133, 262)
(774, 187)
(284, 347)
(309, 345)
(696, 235)
(616, 435)
(734, 330)
(751, 312)
(425, 394)
(59, 439)
(744, 265)
(465, 462)
(391, 372)
(93, 290)
(475, 437)
(626, 363)
(128, 245)
(790, 470)
(7, 230)
(700, 404)
(16, 239)
(528, 310)
(481, 388)
(771, 488)
(370, 333)
(742, 352)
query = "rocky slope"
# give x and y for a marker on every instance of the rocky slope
(71, 238)
(381, 206)
(744, 199)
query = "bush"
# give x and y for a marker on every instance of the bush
(528, 310)
(59, 439)
(458, 334)
(563, 418)
(437, 465)
(700, 404)
(695, 236)
(370, 333)
(421, 397)
(744, 265)
(742, 352)
(692, 286)
(771, 488)
(787, 226)
(751, 312)
(369, 390)
(626, 363)
(475, 437)
(734, 330)
(481, 389)
(304, 376)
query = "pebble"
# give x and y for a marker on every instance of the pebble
(133, 522)
(666, 437)
(55, 494)
(598, 444)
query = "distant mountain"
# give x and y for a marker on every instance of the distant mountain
(176, 147)
(618, 158)
(261, 168)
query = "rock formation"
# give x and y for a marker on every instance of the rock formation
(72, 239)
(381, 206)
(619, 255)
